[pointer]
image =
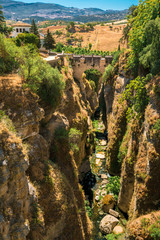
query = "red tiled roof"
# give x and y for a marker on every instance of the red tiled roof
(21, 24)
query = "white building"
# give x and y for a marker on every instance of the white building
(20, 27)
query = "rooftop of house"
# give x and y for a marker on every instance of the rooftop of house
(21, 24)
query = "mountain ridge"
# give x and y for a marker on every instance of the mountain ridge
(41, 11)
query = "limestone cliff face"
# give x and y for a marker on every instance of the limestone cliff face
(146, 197)
(14, 188)
(116, 120)
(133, 152)
(41, 195)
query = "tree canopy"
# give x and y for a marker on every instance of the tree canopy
(1, 15)
(27, 38)
(142, 35)
(49, 42)
(37, 74)
(34, 28)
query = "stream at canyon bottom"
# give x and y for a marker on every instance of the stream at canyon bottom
(96, 181)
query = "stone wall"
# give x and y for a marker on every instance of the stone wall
(81, 63)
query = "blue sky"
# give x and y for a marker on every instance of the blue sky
(103, 4)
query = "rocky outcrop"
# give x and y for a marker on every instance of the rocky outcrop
(144, 226)
(14, 189)
(107, 224)
(116, 123)
(146, 197)
(133, 150)
(45, 201)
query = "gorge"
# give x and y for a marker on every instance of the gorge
(42, 160)
(80, 138)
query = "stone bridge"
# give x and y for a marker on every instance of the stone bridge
(81, 63)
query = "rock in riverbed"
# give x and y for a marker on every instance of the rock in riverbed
(114, 213)
(107, 224)
(118, 230)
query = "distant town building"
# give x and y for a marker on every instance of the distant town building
(20, 27)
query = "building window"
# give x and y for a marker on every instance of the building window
(23, 29)
(20, 29)
(16, 29)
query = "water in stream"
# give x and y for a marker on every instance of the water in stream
(96, 179)
(98, 162)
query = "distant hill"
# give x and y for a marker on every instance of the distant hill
(20, 11)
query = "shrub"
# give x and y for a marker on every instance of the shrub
(136, 96)
(58, 33)
(8, 53)
(156, 128)
(88, 209)
(93, 75)
(144, 37)
(51, 87)
(27, 38)
(116, 57)
(59, 47)
(108, 74)
(93, 85)
(7, 121)
(114, 237)
(44, 80)
(155, 230)
(74, 138)
(114, 186)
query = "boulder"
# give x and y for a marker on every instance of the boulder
(100, 155)
(113, 213)
(108, 203)
(104, 176)
(118, 230)
(107, 224)
(97, 198)
(103, 142)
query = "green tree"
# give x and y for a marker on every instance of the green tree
(49, 42)
(34, 28)
(147, 10)
(3, 28)
(90, 46)
(8, 53)
(72, 24)
(71, 27)
(131, 14)
(39, 76)
(1, 15)
(27, 38)
(59, 47)
(149, 57)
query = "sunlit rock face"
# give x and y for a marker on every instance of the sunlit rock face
(40, 193)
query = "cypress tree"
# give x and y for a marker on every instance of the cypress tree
(49, 42)
(1, 15)
(34, 28)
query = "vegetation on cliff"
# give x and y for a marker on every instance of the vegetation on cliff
(133, 121)
(39, 76)
(144, 37)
